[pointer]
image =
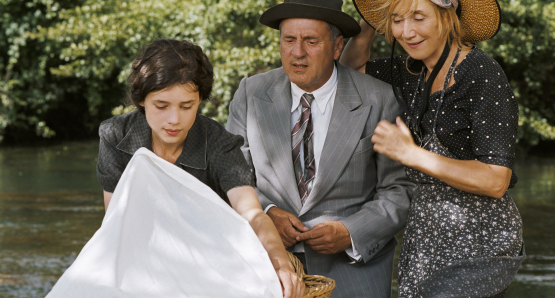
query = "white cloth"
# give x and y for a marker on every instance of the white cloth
(166, 234)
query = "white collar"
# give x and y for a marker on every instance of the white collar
(322, 95)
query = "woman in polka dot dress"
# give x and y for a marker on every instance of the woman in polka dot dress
(457, 138)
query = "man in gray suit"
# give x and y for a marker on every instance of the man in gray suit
(307, 128)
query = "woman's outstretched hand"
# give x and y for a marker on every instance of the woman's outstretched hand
(291, 284)
(394, 141)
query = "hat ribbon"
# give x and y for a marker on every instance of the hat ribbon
(447, 3)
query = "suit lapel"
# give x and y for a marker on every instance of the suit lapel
(346, 126)
(273, 113)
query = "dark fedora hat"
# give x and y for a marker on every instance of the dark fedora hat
(324, 10)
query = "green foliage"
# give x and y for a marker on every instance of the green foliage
(25, 92)
(64, 64)
(82, 53)
(524, 48)
(103, 36)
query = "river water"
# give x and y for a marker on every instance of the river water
(51, 204)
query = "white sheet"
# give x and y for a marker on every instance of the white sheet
(166, 234)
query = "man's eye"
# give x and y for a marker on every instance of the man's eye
(160, 107)
(186, 108)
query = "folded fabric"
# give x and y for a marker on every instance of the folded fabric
(166, 234)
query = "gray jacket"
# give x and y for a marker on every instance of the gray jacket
(366, 191)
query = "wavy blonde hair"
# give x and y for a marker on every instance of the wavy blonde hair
(448, 22)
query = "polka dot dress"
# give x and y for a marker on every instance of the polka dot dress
(479, 113)
(457, 244)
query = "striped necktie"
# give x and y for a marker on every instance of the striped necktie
(302, 131)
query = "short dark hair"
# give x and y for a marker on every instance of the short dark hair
(334, 32)
(165, 63)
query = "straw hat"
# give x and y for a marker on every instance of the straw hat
(480, 19)
(324, 10)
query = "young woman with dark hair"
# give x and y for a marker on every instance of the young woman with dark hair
(168, 81)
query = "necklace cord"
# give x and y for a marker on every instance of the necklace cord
(431, 80)
(415, 121)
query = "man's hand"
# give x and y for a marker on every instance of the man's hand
(326, 238)
(288, 225)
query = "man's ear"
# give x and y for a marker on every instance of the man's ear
(337, 47)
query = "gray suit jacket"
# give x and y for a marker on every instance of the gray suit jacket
(366, 191)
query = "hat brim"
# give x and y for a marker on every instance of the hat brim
(274, 15)
(480, 19)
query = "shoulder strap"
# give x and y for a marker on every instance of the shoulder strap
(431, 80)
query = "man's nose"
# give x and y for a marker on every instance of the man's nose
(298, 50)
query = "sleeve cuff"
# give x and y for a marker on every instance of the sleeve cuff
(273, 205)
(353, 252)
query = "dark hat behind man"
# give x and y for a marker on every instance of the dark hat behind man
(324, 10)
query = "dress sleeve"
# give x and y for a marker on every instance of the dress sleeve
(230, 168)
(381, 69)
(494, 115)
(110, 164)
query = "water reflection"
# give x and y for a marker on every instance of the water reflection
(534, 195)
(51, 205)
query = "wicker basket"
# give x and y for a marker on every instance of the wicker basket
(316, 286)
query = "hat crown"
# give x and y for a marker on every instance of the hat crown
(331, 4)
(323, 10)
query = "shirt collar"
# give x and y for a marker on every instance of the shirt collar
(322, 95)
(138, 136)
(193, 154)
(194, 150)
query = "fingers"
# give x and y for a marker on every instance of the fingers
(317, 232)
(324, 249)
(298, 224)
(383, 127)
(299, 287)
(292, 285)
(318, 236)
(286, 285)
(328, 237)
(283, 221)
(288, 242)
(402, 126)
(382, 130)
(393, 140)
(304, 236)
(289, 236)
(287, 232)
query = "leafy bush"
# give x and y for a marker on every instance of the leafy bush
(74, 60)
(524, 48)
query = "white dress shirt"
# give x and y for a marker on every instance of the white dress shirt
(321, 110)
